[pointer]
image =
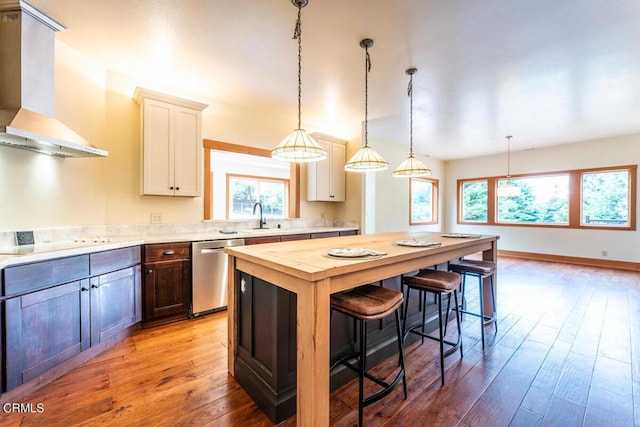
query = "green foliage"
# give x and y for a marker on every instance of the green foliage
(474, 197)
(545, 200)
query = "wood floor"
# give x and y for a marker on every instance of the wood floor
(567, 352)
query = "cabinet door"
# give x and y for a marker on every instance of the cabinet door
(158, 159)
(326, 178)
(167, 288)
(337, 174)
(115, 303)
(321, 178)
(45, 328)
(187, 152)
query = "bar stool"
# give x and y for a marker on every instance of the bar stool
(438, 283)
(481, 270)
(364, 303)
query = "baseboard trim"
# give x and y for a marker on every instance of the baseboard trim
(591, 262)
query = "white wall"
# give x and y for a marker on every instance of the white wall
(619, 151)
(39, 191)
(386, 198)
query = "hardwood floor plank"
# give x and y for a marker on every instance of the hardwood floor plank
(500, 402)
(613, 376)
(575, 378)
(563, 412)
(526, 418)
(608, 409)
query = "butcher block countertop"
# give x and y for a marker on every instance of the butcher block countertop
(310, 260)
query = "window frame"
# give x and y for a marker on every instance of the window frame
(575, 199)
(229, 200)
(208, 145)
(434, 200)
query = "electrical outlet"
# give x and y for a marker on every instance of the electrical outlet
(156, 218)
(605, 253)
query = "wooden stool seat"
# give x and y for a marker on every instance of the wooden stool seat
(438, 283)
(481, 270)
(365, 303)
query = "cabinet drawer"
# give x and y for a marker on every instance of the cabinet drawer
(290, 237)
(325, 234)
(104, 262)
(258, 240)
(39, 275)
(167, 251)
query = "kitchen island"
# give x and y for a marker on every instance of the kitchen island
(305, 269)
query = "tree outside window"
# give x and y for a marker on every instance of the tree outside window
(474, 201)
(542, 200)
(605, 198)
(246, 191)
(423, 208)
(587, 198)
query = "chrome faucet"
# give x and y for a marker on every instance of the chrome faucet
(262, 222)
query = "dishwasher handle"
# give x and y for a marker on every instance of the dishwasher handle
(210, 250)
(208, 247)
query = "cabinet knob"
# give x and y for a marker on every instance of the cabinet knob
(95, 286)
(170, 188)
(178, 188)
(84, 289)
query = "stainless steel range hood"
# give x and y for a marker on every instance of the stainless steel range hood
(27, 84)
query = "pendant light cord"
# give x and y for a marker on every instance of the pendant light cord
(508, 157)
(367, 68)
(410, 93)
(297, 35)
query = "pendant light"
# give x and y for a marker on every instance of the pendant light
(366, 160)
(508, 189)
(411, 166)
(299, 147)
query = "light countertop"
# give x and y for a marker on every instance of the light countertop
(41, 252)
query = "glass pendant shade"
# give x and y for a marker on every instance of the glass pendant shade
(508, 190)
(411, 167)
(299, 147)
(366, 160)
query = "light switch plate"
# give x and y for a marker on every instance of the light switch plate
(24, 238)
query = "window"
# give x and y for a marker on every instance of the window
(542, 200)
(605, 198)
(244, 192)
(223, 158)
(586, 198)
(474, 196)
(423, 194)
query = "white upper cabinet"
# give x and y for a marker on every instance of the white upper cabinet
(326, 178)
(171, 144)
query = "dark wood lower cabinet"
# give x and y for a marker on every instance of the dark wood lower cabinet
(116, 303)
(265, 362)
(45, 328)
(48, 327)
(56, 309)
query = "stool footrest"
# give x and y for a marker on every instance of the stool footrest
(454, 345)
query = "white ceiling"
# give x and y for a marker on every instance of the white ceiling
(545, 71)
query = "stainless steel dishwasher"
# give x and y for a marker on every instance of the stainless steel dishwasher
(209, 275)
